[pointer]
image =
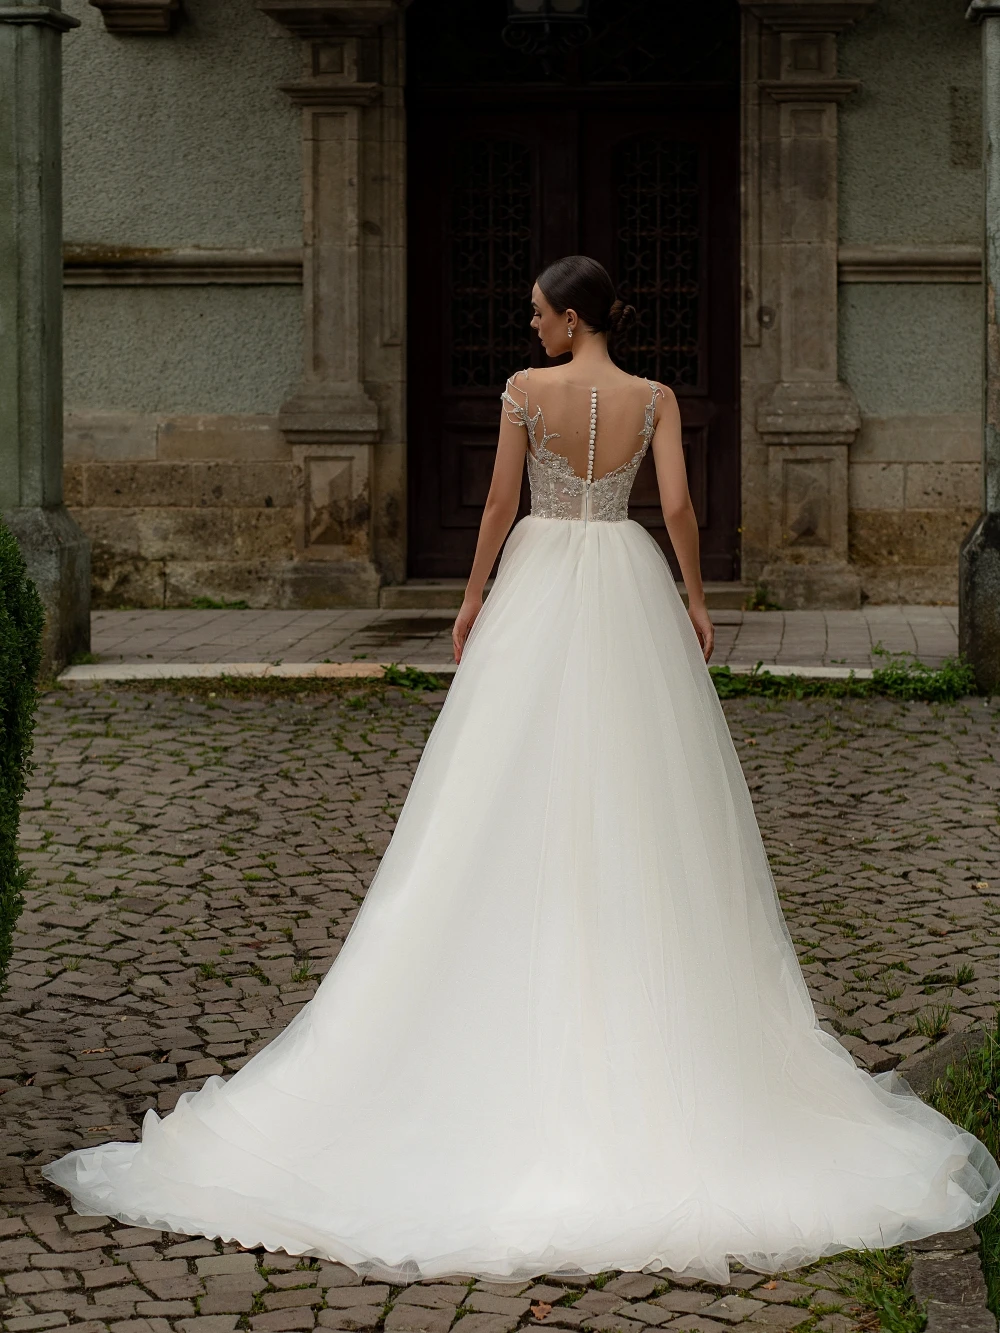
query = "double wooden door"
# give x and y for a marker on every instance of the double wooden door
(497, 193)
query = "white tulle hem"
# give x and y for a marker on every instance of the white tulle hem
(568, 1031)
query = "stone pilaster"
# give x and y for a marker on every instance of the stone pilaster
(799, 417)
(31, 414)
(345, 421)
(979, 560)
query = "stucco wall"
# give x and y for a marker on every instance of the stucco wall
(910, 174)
(174, 464)
(182, 138)
(181, 349)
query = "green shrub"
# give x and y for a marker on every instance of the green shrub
(412, 678)
(906, 677)
(21, 621)
(761, 600)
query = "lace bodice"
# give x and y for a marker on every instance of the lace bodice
(557, 489)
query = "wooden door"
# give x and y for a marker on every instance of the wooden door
(499, 191)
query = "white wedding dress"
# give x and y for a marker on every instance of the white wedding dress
(568, 1031)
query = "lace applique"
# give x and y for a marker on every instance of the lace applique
(557, 491)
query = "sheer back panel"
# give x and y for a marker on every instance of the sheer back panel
(602, 434)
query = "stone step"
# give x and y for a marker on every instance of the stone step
(723, 596)
(446, 594)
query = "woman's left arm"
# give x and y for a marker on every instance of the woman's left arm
(679, 515)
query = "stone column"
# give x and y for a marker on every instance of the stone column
(345, 420)
(798, 408)
(55, 550)
(979, 559)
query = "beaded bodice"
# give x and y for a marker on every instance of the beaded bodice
(557, 489)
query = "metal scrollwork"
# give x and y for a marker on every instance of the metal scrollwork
(546, 30)
(659, 256)
(490, 248)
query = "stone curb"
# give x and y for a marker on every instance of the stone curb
(923, 1069)
(947, 1269)
(114, 671)
(947, 1273)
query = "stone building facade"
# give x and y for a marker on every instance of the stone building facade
(262, 197)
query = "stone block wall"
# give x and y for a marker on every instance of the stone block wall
(179, 507)
(915, 487)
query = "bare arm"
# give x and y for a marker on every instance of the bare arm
(498, 516)
(679, 515)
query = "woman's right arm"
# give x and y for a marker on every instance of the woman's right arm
(498, 516)
(679, 515)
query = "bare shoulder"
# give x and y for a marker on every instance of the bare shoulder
(665, 397)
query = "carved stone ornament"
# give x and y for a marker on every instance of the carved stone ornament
(809, 15)
(320, 18)
(132, 18)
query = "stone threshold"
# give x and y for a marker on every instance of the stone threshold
(124, 671)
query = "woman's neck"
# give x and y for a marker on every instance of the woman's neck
(591, 354)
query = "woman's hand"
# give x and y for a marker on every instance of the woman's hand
(704, 628)
(464, 621)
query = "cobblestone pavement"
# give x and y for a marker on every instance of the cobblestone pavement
(197, 863)
(792, 638)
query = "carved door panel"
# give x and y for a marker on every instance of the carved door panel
(495, 195)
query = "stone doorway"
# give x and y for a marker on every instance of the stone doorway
(628, 151)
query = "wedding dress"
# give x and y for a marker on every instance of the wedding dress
(568, 1031)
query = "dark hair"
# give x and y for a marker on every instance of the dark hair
(582, 284)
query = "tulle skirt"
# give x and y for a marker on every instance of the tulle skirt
(568, 1031)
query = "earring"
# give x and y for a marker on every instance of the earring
(569, 331)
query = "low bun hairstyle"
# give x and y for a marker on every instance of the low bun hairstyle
(621, 318)
(582, 284)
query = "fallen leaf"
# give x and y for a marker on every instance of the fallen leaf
(770, 1286)
(540, 1309)
(95, 1050)
(98, 1129)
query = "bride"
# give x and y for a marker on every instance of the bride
(568, 1031)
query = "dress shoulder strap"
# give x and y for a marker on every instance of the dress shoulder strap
(649, 424)
(515, 391)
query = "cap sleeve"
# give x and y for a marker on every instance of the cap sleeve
(515, 399)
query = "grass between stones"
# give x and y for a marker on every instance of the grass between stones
(902, 676)
(878, 1289)
(969, 1095)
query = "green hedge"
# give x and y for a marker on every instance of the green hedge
(21, 619)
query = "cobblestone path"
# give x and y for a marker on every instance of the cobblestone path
(197, 863)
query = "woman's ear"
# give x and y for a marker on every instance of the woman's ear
(571, 318)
